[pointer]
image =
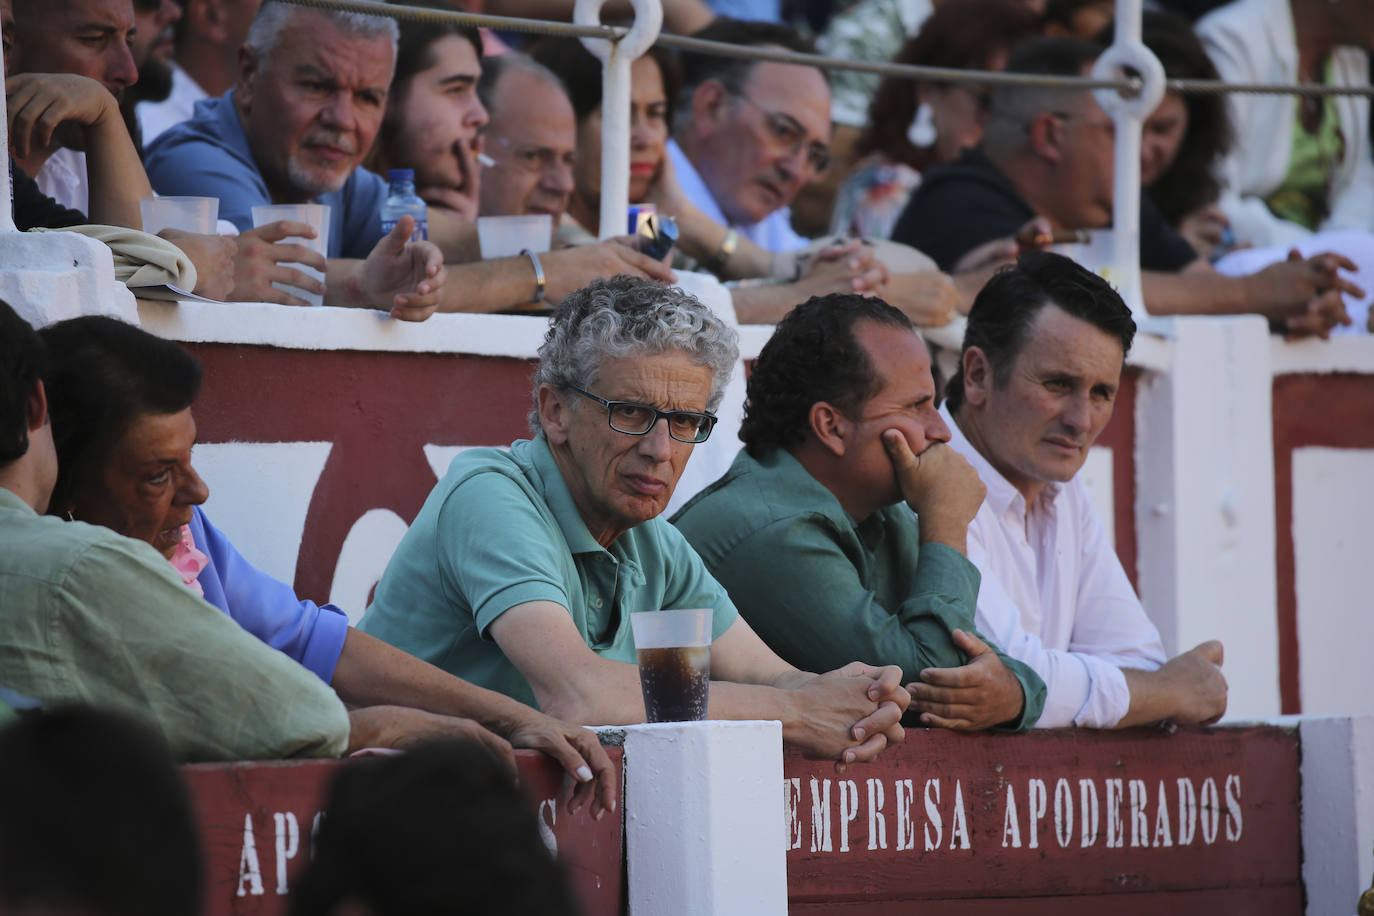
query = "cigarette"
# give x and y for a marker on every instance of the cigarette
(487, 161)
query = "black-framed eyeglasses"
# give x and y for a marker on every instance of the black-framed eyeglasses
(635, 419)
(787, 132)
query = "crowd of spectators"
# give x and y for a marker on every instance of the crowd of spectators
(872, 558)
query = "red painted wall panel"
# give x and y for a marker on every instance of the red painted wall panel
(936, 820)
(256, 818)
(1345, 420)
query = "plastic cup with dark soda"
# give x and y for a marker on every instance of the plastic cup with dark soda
(674, 652)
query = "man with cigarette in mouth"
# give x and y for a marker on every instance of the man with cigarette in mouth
(312, 91)
(531, 141)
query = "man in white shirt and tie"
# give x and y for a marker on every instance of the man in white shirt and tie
(1039, 370)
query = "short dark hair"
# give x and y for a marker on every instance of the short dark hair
(1060, 12)
(1007, 305)
(580, 72)
(21, 366)
(734, 72)
(102, 375)
(1055, 55)
(811, 357)
(413, 47)
(97, 819)
(414, 53)
(441, 829)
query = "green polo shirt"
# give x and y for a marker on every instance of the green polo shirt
(92, 617)
(823, 591)
(501, 529)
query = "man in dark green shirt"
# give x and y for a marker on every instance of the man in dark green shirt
(809, 533)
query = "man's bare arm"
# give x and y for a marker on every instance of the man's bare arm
(820, 714)
(373, 673)
(508, 283)
(1188, 689)
(1302, 293)
(50, 109)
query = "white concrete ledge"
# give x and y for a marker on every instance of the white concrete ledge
(1340, 354)
(326, 328)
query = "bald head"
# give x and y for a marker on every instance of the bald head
(531, 138)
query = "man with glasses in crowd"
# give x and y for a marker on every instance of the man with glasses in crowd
(523, 566)
(531, 139)
(750, 134)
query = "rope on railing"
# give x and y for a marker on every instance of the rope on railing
(1188, 87)
(1128, 87)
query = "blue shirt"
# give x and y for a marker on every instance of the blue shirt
(774, 232)
(310, 634)
(209, 156)
(751, 10)
(501, 529)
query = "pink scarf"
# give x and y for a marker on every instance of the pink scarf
(189, 561)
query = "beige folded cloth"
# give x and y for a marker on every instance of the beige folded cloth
(141, 259)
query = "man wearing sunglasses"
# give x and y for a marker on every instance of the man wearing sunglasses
(521, 570)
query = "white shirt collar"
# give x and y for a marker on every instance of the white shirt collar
(1001, 496)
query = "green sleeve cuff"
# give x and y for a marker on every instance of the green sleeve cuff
(1033, 687)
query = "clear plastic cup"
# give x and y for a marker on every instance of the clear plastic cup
(189, 214)
(507, 236)
(674, 652)
(317, 215)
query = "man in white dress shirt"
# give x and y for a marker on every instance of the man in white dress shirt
(1041, 362)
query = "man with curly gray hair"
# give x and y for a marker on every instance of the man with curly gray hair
(523, 566)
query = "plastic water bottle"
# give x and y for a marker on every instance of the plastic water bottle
(400, 200)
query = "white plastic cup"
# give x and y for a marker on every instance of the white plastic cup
(674, 653)
(507, 236)
(189, 214)
(317, 215)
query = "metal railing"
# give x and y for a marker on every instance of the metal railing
(1128, 99)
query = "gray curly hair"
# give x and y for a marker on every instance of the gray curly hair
(274, 17)
(627, 316)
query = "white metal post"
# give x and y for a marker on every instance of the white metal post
(616, 58)
(1128, 51)
(7, 221)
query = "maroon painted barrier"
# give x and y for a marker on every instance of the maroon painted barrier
(1346, 420)
(1064, 821)
(256, 822)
